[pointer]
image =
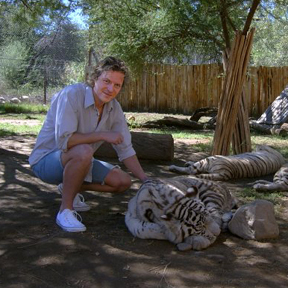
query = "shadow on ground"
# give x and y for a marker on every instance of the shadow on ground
(34, 252)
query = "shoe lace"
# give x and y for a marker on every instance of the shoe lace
(81, 198)
(77, 216)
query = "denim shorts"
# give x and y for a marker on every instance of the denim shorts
(50, 169)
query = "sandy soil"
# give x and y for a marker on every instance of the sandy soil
(34, 252)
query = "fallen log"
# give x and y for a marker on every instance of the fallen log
(204, 111)
(173, 121)
(281, 130)
(149, 146)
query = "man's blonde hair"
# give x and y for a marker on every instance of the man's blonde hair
(108, 64)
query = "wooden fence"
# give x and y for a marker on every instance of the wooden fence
(182, 89)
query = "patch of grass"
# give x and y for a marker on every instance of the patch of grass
(203, 147)
(277, 142)
(7, 129)
(22, 111)
(192, 135)
(249, 194)
(22, 116)
(182, 133)
(23, 108)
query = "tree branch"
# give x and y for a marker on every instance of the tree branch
(250, 16)
(224, 16)
(26, 5)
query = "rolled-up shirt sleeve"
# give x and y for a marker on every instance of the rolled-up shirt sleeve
(125, 149)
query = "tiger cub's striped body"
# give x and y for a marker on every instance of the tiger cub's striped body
(184, 210)
(280, 181)
(263, 161)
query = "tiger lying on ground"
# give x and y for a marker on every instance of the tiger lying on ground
(187, 211)
(265, 160)
(280, 181)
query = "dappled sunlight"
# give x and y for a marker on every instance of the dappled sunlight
(114, 209)
(252, 260)
(66, 242)
(50, 260)
(230, 243)
(263, 245)
(35, 252)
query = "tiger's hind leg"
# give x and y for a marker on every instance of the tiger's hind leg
(180, 170)
(261, 181)
(213, 176)
(270, 186)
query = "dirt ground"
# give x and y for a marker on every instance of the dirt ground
(35, 252)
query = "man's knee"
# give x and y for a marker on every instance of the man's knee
(120, 180)
(82, 153)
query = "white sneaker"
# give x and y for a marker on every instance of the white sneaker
(78, 202)
(67, 220)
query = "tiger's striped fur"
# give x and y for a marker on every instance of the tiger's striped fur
(280, 181)
(183, 210)
(265, 160)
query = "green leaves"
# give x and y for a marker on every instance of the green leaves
(13, 57)
(158, 31)
(271, 38)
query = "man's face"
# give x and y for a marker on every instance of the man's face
(107, 86)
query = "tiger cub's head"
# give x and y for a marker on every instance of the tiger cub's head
(187, 217)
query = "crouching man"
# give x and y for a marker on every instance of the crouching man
(81, 117)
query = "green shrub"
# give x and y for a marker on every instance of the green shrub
(13, 64)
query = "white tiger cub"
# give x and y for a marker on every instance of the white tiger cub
(184, 210)
(265, 160)
(280, 181)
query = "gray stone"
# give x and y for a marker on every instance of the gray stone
(15, 100)
(24, 98)
(255, 221)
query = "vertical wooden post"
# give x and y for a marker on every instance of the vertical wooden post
(45, 85)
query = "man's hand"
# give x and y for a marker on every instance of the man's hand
(113, 137)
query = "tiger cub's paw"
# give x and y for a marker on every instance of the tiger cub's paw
(184, 246)
(226, 218)
(197, 242)
(212, 229)
(173, 168)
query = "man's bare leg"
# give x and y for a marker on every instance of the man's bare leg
(76, 162)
